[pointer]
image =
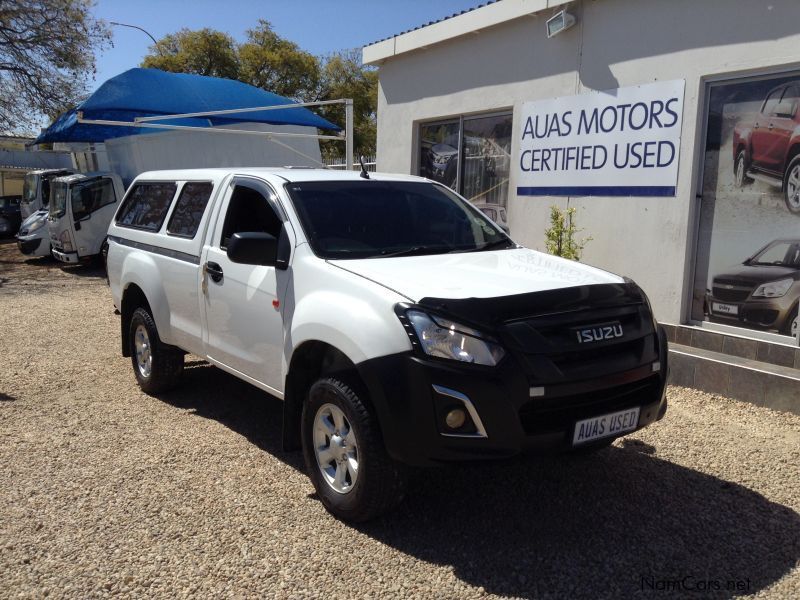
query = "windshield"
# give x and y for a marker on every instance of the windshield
(59, 204)
(366, 219)
(782, 254)
(29, 188)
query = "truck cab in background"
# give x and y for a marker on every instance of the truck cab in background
(81, 208)
(36, 190)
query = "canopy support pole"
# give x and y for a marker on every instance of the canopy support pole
(348, 133)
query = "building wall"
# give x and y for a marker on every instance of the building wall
(615, 43)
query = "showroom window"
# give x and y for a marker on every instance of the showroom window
(471, 155)
(746, 272)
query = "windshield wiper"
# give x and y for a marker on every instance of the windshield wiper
(414, 250)
(507, 243)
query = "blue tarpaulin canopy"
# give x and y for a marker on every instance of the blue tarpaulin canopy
(152, 92)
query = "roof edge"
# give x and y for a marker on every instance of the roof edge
(470, 21)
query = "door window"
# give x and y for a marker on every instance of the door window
(189, 209)
(771, 102)
(249, 211)
(91, 196)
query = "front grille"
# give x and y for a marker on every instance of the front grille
(560, 414)
(551, 352)
(737, 294)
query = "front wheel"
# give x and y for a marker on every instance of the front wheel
(740, 170)
(791, 186)
(345, 457)
(157, 366)
(793, 324)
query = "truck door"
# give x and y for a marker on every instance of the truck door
(92, 205)
(244, 325)
(763, 139)
(783, 124)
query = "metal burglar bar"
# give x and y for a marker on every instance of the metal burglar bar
(146, 122)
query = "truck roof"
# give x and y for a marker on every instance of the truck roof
(72, 178)
(287, 173)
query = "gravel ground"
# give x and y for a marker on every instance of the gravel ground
(106, 491)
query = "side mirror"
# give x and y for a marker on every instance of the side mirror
(253, 248)
(785, 109)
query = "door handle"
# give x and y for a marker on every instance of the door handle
(214, 271)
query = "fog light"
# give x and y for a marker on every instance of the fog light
(455, 418)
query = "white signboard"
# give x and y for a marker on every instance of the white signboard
(622, 142)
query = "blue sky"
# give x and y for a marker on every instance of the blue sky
(317, 26)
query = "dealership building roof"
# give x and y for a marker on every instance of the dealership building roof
(472, 20)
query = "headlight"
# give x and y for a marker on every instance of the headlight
(445, 339)
(773, 289)
(66, 243)
(36, 225)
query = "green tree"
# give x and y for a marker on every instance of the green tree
(47, 50)
(203, 52)
(343, 76)
(270, 62)
(277, 65)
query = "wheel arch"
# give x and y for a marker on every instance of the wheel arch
(132, 298)
(311, 360)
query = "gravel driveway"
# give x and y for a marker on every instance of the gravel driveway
(106, 491)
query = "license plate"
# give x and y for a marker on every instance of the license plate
(606, 425)
(726, 309)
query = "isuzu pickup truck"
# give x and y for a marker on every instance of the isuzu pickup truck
(398, 324)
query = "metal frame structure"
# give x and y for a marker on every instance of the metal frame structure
(147, 122)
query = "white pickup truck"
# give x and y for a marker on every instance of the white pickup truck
(399, 325)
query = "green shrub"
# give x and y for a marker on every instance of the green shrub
(561, 234)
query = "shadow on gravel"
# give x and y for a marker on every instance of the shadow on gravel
(214, 394)
(615, 524)
(6, 398)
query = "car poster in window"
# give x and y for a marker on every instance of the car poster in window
(748, 258)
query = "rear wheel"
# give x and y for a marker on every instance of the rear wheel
(157, 366)
(791, 186)
(345, 457)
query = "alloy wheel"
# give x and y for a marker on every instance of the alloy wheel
(144, 355)
(335, 448)
(793, 188)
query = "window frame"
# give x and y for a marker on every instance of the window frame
(253, 183)
(89, 181)
(502, 112)
(123, 204)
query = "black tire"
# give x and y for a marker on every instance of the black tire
(740, 177)
(790, 328)
(103, 258)
(166, 364)
(792, 197)
(381, 482)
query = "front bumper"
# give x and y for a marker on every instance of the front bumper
(33, 246)
(67, 257)
(762, 313)
(410, 393)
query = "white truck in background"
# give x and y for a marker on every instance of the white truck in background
(81, 208)
(36, 190)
